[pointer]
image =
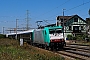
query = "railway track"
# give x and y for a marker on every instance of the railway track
(73, 52)
(81, 52)
(78, 48)
(73, 55)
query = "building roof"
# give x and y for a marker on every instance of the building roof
(56, 27)
(66, 18)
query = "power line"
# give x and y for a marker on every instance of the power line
(78, 6)
(57, 7)
(10, 16)
(72, 8)
(46, 21)
(5, 21)
(54, 8)
(65, 10)
(80, 11)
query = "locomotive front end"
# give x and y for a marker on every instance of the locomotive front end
(56, 38)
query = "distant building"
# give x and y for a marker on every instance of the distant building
(88, 20)
(73, 25)
(88, 26)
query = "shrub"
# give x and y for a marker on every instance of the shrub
(85, 36)
(69, 37)
(79, 37)
(74, 38)
(2, 36)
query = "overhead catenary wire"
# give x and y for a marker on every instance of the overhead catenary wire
(46, 21)
(56, 7)
(21, 20)
(60, 6)
(53, 9)
(65, 10)
(71, 8)
(78, 6)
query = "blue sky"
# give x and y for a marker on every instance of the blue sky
(10, 10)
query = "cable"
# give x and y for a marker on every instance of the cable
(57, 7)
(54, 8)
(78, 6)
(72, 8)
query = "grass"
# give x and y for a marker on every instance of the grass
(10, 50)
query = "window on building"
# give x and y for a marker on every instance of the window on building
(75, 19)
(69, 27)
(88, 30)
(64, 24)
(61, 20)
(82, 28)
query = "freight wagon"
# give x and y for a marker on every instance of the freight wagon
(49, 37)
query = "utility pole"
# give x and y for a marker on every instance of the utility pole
(56, 21)
(27, 19)
(16, 29)
(89, 13)
(63, 22)
(3, 30)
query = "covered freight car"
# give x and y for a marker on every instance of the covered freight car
(49, 37)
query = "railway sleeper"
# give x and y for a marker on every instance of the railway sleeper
(72, 55)
(79, 53)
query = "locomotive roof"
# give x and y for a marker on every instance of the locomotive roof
(55, 27)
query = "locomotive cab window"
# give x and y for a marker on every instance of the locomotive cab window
(51, 31)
